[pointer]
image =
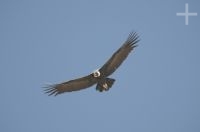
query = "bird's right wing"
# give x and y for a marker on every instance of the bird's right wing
(72, 85)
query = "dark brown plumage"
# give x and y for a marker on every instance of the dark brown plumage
(98, 77)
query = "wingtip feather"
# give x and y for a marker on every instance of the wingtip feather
(51, 90)
(132, 40)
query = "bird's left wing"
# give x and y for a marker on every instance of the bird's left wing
(120, 55)
(72, 85)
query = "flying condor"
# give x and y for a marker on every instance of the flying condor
(100, 76)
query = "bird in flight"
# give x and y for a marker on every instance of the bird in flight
(100, 76)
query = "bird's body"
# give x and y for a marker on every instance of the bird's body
(99, 77)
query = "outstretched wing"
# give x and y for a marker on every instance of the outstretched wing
(72, 85)
(120, 55)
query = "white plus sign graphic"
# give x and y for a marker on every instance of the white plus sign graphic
(186, 14)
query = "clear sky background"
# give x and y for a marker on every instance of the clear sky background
(157, 88)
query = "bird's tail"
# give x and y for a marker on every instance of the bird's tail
(106, 84)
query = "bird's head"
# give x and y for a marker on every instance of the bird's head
(96, 73)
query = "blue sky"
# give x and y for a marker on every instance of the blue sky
(44, 41)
